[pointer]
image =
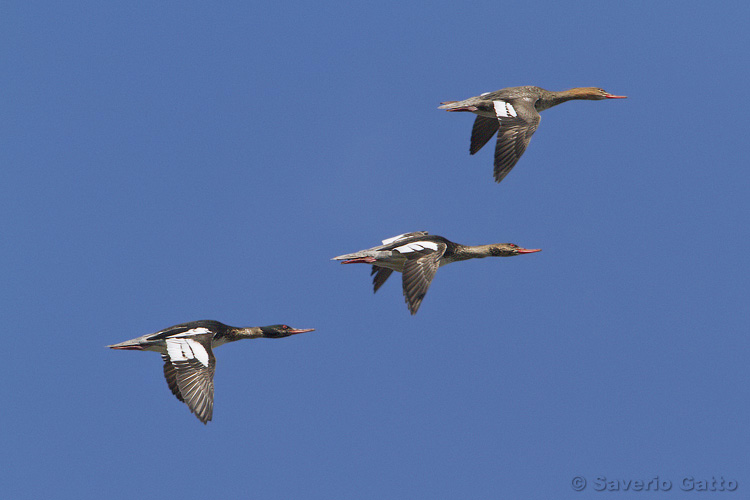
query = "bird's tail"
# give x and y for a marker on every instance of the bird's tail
(127, 345)
(361, 257)
(457, 106)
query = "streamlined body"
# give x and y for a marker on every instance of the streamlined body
(189, 362)
(513, 113)
(418, 256)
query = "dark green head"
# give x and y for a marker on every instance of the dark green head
(280, 331)
(509, 250)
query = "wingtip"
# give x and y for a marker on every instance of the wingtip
(413, 308)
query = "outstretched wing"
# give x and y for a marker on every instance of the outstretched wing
(381, 274)
(171, 375)
(422, 262)
(517, 125)
(482, 131)
(189, 366)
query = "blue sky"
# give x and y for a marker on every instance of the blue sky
(174, 162)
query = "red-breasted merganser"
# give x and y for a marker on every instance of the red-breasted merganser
(418, 255)
(515, 112)
(189, 362)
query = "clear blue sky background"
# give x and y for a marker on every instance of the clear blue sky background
(182, 161)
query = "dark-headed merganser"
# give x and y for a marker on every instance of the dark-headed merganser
(418, 255)
(189, 362)
(515, 112)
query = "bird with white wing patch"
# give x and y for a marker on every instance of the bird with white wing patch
(418, 256)
(189, 362)
(513, 113)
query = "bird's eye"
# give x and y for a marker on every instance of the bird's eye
(285, 327)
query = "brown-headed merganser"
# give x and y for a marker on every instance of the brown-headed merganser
(418, 255)
(189, 362)
(515, 112)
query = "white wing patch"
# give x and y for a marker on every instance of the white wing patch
(195, 331)
(417, 247)
(504, 109)
(482, 95)
(388, 241)
(180, 349)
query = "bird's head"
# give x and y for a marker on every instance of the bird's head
(281, 331)
(509, 250)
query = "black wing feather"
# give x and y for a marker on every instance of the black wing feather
(191, 381)
(513, 138)
(171, 375)
(419, 270)
(381, 275)
(482, 131)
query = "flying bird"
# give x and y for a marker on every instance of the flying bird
(514, 112)
(189, 362)
(417, 256)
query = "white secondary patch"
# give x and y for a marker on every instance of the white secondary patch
(504, 109)
(482, 95)
(388, 241)
(185, 349)
(196, 331)
(417, 247)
